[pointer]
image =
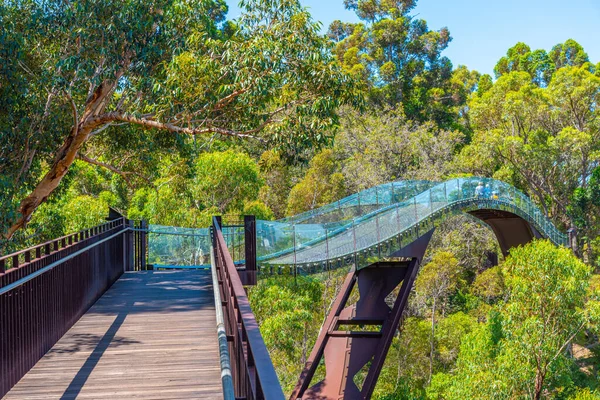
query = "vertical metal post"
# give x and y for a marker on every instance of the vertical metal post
(327, 251)
(250, 248)
(143, 244)
(416, 224)
(326, 244)
(378, 236)
(354, 242)
(294, 242)
(431, 200)
(416, 212)
(399, 226)
(130, 246)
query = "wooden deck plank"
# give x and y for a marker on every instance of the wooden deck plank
(151, 336)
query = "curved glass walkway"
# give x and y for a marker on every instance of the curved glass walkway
(358, 229)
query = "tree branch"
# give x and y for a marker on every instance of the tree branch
(75, 114)
(249, 134)
(124, 174)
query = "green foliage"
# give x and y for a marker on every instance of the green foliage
(321, 185)
(585, 394)
(489, 285)
(289, 321)
(254, 116)
(277, 176)
(521, 351)
(568, 54)
(514, 140)
(448, 335)
(225, 179)
(96, 75)
(376, 149)
(439, 278)
(259, 209)
(190, 195)
(539, 64)
(398, 58)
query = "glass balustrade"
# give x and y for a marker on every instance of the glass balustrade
(355, 230)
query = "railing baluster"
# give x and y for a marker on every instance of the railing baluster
(32, 294)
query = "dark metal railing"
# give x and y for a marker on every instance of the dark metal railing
(254, 377)
(137, 246)
(45, 289)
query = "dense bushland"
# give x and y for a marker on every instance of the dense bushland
(167, 110)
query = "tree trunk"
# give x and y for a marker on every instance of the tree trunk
(589, 255)
(432, 339)
(65, 156)
(573, 241)
(304, 345)
(539, 385)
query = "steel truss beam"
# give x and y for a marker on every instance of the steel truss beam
(348, 350)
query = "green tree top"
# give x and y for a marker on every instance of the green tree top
(80, 69)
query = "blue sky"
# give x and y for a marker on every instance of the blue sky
(482, 30)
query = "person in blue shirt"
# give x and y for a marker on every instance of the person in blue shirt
(479, 190)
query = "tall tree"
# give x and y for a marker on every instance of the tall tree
(437, 280)
(544, 140)
(539, 64)
(167, 65)
(398, 57)
(521, 352)
(376, 149)
(520, 57)
(568, 54)
(321, 185)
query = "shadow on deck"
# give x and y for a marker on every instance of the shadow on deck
(151, 336)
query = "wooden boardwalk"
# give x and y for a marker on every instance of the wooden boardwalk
(151, 336)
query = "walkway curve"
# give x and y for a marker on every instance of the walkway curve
(381, 223)
(366, 226)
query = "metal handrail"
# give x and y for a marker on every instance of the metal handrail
(226, 377)
(254, 374)
(53, 265)
(507, 197)
(65, 237)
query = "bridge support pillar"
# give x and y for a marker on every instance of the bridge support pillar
(354, 357)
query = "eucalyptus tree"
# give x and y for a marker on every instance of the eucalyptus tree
(539, 64)
(545, 140)
(521, 351)
(74, 71)
(398, 58)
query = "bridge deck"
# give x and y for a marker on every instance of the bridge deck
(151, 336)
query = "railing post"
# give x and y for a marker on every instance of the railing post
(143, 241)
(130, 251)
(250, 248)
(295, 255)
